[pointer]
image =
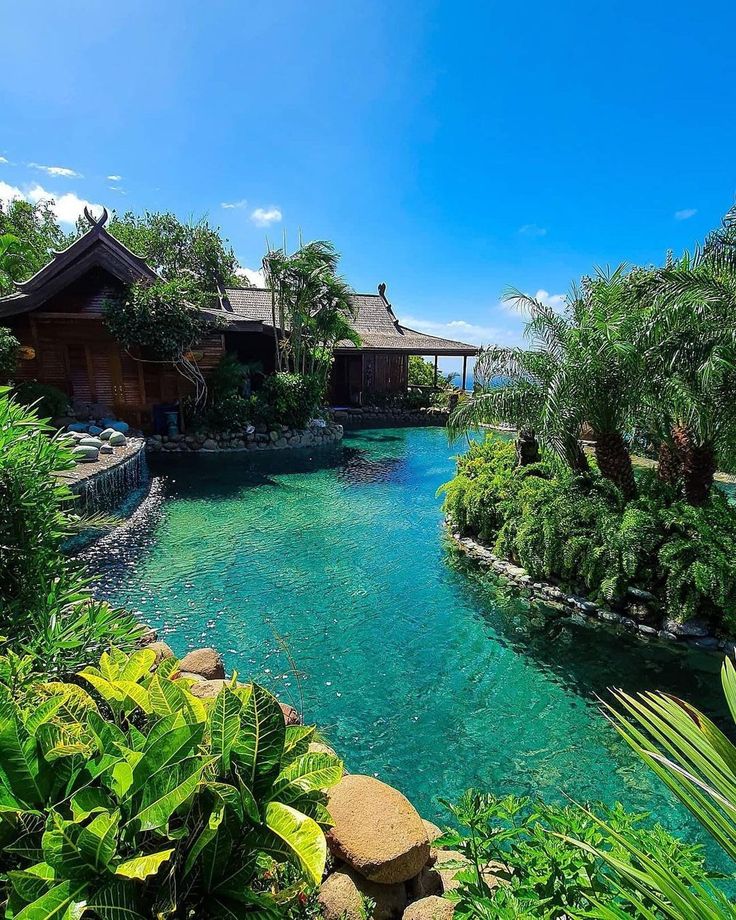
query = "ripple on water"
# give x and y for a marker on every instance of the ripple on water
(417, 667)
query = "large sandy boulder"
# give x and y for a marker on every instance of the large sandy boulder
(431, 908)
(376, 831)
(433, 832)
(206, 662)
(342, 897)
(207, 689)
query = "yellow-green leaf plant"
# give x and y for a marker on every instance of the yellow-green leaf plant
(122, 795)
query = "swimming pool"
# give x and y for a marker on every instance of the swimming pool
(416, 666)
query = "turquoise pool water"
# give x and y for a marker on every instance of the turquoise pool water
(418, 668)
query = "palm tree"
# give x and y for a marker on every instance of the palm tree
(585, 367)
(695, 337)
(311, 303)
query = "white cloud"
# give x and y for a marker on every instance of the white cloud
(9, 193)
(254, 275)
(116, 188)
(532, 230)
(67, 207)
(57, 171)
(113, 178)
(460, 330)
(4, 160)
(240, 203)
(685, 213)
(264, 217)
(556, 301)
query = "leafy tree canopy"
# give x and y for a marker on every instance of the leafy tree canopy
(37, 234)
(193, 251)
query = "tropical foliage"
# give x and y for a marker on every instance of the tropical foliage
(123, 795)
(579, 529)
(193, 251)
(520, 860)
(48, 401)
(645, 355)
(9, 350)
(311, 307)
(697, 762)
(32, 234)
(162, 321)
(46, 608)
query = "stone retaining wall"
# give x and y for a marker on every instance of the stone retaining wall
(375, 417)
(258, 437)
(640, 616)
(109, 480)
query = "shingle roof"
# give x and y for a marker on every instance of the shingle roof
(94, 248)
(374, 322)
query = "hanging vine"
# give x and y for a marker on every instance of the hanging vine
(164, 320)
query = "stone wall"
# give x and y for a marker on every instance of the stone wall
(641, 615)
(104, 483)
(377, 417)
(258, 437)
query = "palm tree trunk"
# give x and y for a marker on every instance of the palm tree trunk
(614, 461)
(669, 464)
(527, 447)
(698, 466)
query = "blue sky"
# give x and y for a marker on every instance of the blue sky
(449, 149)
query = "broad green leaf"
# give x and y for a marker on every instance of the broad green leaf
(137, 694)
(301, 836)
(120, 900)
(308, 773)
(55, 903)
(141, 867)
(97, 841)
(138, 665)
(42, 713)
(89, 800)
(167, 791)
(107, 690)
(260, 742)
(167, 750)
(167, 667)
(224, 724)
(296, 743)
(19, 763)
(206, 835)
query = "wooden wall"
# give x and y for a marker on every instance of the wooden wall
(74, 351)
(385, 372)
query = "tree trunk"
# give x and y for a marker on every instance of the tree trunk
(669, 464)
(527, 447)
(698, 466)
(614, 461)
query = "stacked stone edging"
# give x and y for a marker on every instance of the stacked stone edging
(262, 437)
(377, 417)
(695, 633)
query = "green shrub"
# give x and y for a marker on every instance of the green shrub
(293, 397)
(228, 413)
(543, 874)
(580, 530)
(125, 796)
(48, 401)
(45, 604)
(9, 349)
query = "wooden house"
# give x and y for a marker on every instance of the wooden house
(57, 316)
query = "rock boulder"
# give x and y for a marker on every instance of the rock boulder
(376, 831)
(431, 908)
(342, 896)
(206, 662)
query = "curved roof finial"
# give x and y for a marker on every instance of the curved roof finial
(93, 221)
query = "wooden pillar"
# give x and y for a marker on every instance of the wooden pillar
(436, 358)
(465, 370)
